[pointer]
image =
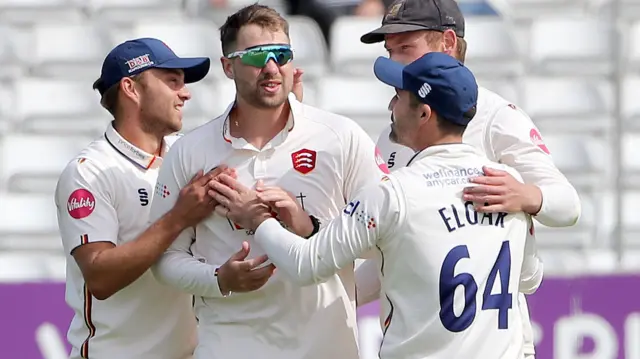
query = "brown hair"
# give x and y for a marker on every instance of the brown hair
(111, 98)
(256, 14)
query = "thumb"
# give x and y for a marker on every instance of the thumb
(242, 253)
(198, 175)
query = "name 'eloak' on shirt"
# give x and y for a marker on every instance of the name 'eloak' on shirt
(453, 220)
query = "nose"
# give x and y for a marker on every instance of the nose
(393, 102)
(184, 94)
(271, 67)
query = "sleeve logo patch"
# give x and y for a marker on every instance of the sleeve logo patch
(81, 203)
(536, 138)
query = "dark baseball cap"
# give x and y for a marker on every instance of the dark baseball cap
(135, 56)
(436, 79)
(413, 15)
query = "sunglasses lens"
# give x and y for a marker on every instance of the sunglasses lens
(260, 58)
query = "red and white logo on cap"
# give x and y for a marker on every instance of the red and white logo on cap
(81, 203)
(380, 162)
(536, 138)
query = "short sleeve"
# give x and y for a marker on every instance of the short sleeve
(85, 204)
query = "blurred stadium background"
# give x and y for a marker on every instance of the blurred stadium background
(573, 65)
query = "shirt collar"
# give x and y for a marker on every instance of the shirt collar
(443, 150)
(240, 143)
(137, 156)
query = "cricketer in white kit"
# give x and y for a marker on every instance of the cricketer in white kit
(104, 194)
(450, 275)
(322, 159)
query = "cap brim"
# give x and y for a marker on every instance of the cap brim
(389, 72)
(377, 35)
(195, 68)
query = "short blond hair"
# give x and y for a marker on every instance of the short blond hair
(433, 37)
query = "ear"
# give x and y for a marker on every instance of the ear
(227, 67)
(129, 89)
(449, 42)
(426, 114)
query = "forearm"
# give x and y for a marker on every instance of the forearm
(531, 276)
(115, 268)
(560, 206)
(181, 270)
(287, 251)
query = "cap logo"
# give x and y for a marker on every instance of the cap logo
(394, 9)
(139, 62)
(424, 90)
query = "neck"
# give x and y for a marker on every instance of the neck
(438, 140)
(257, 125)
(131, 131)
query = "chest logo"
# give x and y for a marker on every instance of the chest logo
(304, 160)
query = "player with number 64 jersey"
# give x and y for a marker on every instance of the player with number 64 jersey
(450, 275)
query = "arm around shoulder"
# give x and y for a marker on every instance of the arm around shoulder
(517, 142)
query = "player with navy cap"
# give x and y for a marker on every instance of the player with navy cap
(103, 198)
(449, 274)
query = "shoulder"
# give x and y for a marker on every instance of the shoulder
(338, 125)
(202, 134)
(491, 105)
(510, 170)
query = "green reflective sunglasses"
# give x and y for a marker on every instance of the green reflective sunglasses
(259, 56)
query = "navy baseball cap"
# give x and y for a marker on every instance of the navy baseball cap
(438, 80)
(135, 56)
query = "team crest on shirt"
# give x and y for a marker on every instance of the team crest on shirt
(304, 160)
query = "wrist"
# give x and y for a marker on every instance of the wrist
(533, 204)
(175, 222)
(222, 283)
(258, 221)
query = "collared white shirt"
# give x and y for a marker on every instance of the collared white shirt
(105, 194)
(449, 274)
(505, 134)
(322, 159)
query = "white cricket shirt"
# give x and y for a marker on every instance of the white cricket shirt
(507, 135)
(104, 194)
(450, 275)
(322, 159)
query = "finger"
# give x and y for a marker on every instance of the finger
(255, 262)
(222, 190)
(260, 185)
(486, 200)
(491, 181)
(241, 254)
(198, 176)
(495, 208)
(493, 171)
(233, 183)
(262, 273)
(272, 196)
(210, 175)
(222, 211)
(483, 190)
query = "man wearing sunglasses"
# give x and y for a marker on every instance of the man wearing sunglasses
(284, 149)
(503, 131)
